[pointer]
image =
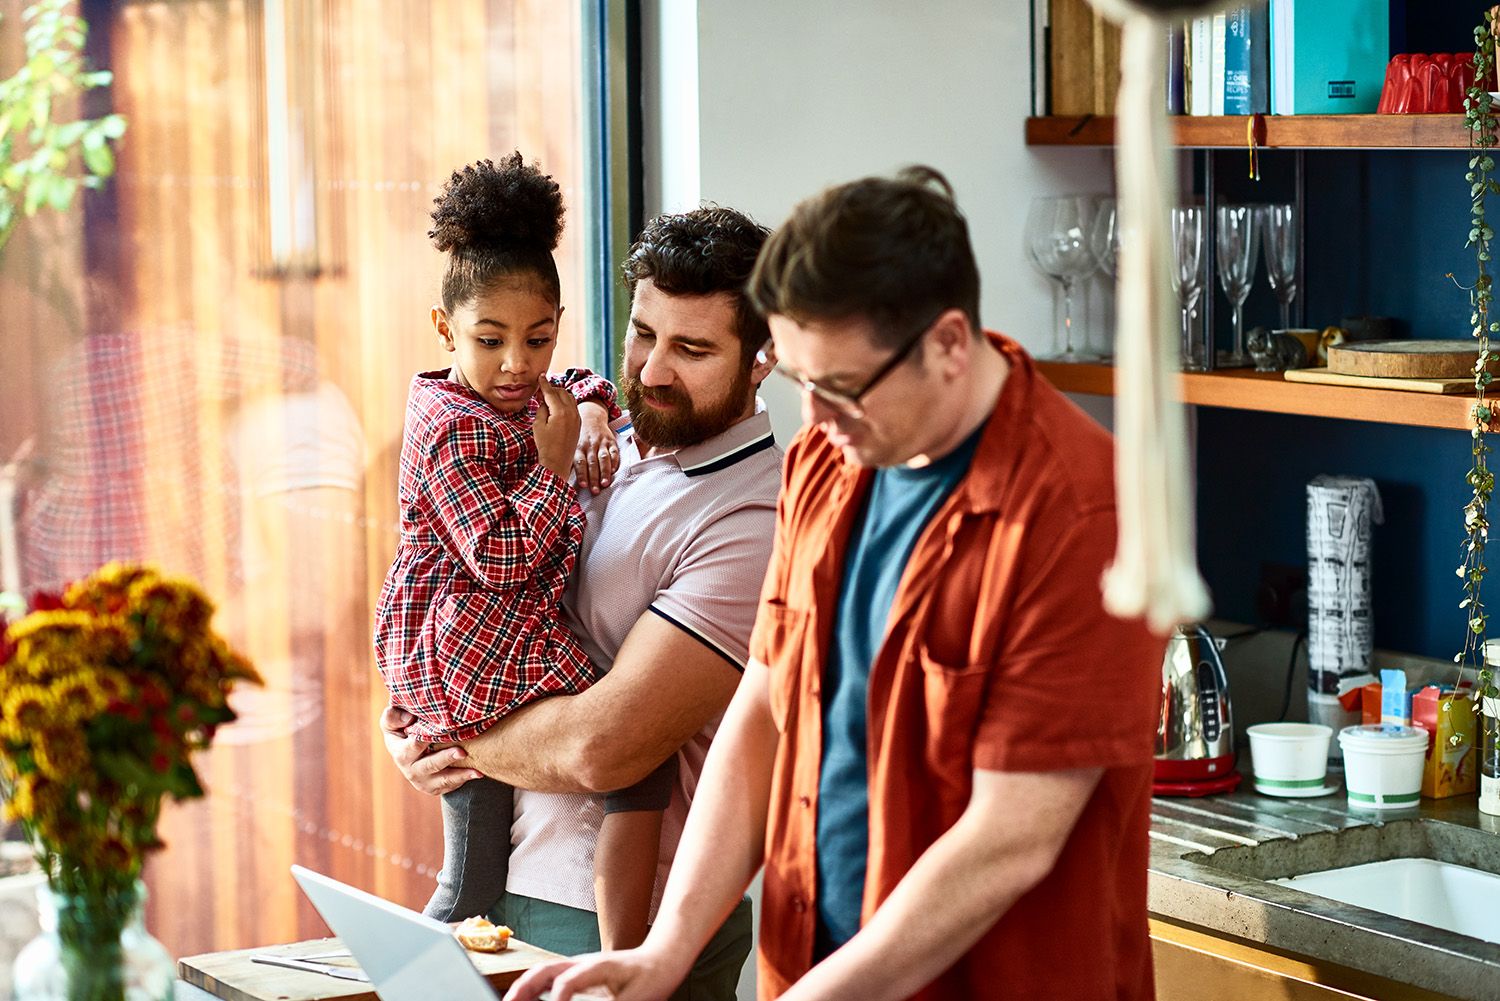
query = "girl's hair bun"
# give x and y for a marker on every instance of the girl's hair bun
(490, 208)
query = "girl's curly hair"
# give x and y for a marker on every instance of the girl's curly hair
(496, 221)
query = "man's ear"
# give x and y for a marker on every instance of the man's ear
(759, 369)
(441, 325)
(954, 340)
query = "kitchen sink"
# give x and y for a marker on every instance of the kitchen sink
(1440, 875)
(1456, 897)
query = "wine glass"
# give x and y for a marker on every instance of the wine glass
(1279, 232)
(1057, 244)
(1235, 241)
(1187, 275)
(1104, 242)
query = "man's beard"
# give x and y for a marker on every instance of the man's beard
(684, 424)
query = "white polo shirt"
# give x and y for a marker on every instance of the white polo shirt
(685, 536)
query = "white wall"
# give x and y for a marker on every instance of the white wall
(794, 95)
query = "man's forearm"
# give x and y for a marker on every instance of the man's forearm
(665, 686)
(540, 746)
(723, 843)
(960, 886)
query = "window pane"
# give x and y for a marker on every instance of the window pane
(210, 363)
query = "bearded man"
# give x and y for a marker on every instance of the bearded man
(664, 595)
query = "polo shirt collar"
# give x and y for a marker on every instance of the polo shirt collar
(735, 444)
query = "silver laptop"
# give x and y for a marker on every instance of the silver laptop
(406, 955)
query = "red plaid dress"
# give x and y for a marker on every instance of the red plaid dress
(467, 627)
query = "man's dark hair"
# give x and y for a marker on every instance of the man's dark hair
(708, 250)
(895, 251)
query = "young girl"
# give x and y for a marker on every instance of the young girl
(468, 626)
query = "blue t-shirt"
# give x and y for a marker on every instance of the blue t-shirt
(898, 507)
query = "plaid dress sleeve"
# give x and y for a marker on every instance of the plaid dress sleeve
(498, 510)
(587, 387)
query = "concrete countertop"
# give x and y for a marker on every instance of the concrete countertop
(1210, 858)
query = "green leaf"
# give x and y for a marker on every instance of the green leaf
(99, 160)
(63, 189)
(38, 191)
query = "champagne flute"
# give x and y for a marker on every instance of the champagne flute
(1187, 275)
(1235, 240)
(1279, 228)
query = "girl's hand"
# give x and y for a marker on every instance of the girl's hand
(598, 454)
(556, 428)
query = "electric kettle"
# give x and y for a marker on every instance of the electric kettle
(1195, 733)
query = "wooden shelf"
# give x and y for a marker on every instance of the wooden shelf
(1241, 389)
(1269, 131)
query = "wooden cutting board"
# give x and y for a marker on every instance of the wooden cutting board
(1404, 359)
(231, 975)
(1327, 378)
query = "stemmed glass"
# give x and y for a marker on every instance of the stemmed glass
(1235, 240)
(1057, 244)
(1187, 275)
(1104, 241)
(1279, 228)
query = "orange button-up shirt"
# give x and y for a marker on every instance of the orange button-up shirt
(998, 655)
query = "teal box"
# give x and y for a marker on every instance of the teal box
(1328, 57)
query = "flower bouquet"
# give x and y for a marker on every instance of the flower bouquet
(106, 690)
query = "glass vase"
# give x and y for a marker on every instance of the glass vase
(93, 948)
(1489, 755)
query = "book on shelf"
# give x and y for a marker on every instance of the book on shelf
(1082, 50)
(1176, 69)
(1217, 25)
(1041, 60)
(1246, 62)
(1328, 57)
(1199, 58)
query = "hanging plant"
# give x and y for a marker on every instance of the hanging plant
(44, 160)
(1480, 119)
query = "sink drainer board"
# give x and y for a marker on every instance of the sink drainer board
(1440, 875)
(1435, 893)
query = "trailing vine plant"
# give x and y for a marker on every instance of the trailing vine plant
(1479, 117)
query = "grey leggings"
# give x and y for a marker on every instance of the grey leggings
(476, 839)
(476, 850)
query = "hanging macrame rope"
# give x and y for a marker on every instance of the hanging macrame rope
(1155, 570)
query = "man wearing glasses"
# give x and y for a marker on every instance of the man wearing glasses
(942, 747)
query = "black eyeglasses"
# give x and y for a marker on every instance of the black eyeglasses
(848, 404)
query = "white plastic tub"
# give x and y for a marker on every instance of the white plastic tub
(1290, 759)
(1383, 765)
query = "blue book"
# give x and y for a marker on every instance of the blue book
(1176, 71)
(1237, 63)
(1328, 57)
(1260, 59)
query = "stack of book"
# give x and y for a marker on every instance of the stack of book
(1279, 57)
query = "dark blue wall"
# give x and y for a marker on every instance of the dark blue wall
(1383, 230)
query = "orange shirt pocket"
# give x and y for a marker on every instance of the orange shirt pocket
(952, 698)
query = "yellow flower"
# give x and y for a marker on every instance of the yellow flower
(26, 709)
(62, 754)
(79, 697)
(34, 798)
